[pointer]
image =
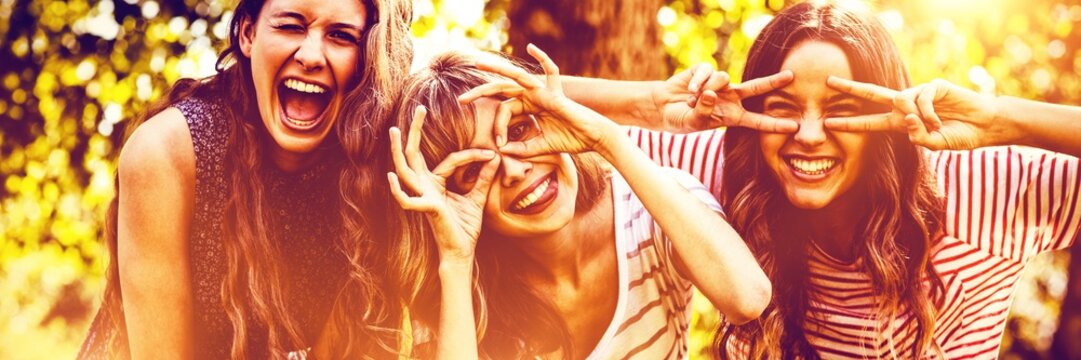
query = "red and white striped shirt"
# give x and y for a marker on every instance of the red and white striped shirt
(1004, 205)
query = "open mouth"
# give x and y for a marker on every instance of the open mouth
(537, 197)
(813, 167)
(302, 103)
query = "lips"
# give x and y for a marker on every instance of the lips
(303, 103)
(537, 196)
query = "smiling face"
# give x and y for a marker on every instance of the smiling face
(813, 166)
(529, 197)
(304, 56)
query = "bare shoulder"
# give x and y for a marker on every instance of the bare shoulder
(160, 148)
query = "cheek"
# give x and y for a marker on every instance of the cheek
(345, 65)
(771, 145)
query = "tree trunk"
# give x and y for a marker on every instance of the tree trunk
(1067, 341)
(595, 38)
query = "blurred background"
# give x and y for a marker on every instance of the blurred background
(73, 73)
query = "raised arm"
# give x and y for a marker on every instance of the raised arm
(694, 99)
(157, 192)
(455, 220)
(713, 255)
(941, 115)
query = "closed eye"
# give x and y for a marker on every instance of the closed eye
(781, 109)
(291, 28)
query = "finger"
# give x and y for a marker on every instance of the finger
(484, 181)
(503, 113)
(768, 123)
(519, 75)
(396, 154)
(533, 147)
(865, 91)
(403, 199)
(917, 134)
(905, 101)
(704, 107)
(501, 88)
(718, 80)
(699, 75)
(762, 85)
(401, 165)
(925, 101)
(873, 122)
(459, 158)
(551, 70)
(412, 144)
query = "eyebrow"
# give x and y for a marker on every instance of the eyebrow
(784, 94)
(840, 97)
(300, 17)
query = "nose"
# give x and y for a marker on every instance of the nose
(811, 131)
(514, 170)
(310, 54)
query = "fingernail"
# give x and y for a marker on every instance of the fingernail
(488, 153)
(499, 141)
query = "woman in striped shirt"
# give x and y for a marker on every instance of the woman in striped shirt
(557, 256)
(879, 243)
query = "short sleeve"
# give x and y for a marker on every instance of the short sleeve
(1013, 202)
(698, 154)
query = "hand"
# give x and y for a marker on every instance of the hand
(456, 218)
(565, 125)
(938, 115)
(706, 100)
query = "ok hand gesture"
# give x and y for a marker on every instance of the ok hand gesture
(456, 218)
(565, 125)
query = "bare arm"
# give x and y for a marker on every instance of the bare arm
(157, 182)
(1043, 125)
(941, 115)
(713, 256)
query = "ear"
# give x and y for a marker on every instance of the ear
(246, 36)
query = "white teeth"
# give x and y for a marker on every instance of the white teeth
(812, 167)
(304, 87)
(533, 196)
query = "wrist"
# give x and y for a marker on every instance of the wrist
(1005, 118)
(451, 267)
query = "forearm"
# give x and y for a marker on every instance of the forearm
(1043, 125)
(625, 102)
(457, 337)
(714, 256)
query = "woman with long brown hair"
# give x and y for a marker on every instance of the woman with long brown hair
(880, 243)
(240, 227)
(561, 257)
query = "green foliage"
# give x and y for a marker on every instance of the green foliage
(73, 73)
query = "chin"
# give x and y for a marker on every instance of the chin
(808, 200)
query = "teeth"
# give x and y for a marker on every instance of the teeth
(304, 87)
(533, 196)
(812, 167)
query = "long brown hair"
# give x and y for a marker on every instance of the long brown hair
(902, 215)
(251, 288)
(502, 299)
